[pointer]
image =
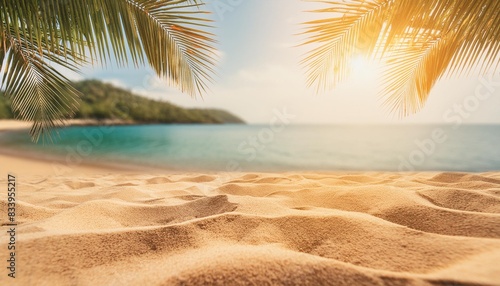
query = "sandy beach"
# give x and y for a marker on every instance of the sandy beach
(110, 227)
(308, 143)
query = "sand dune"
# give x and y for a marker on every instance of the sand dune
(259, 229)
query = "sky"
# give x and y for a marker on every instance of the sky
(259, 72)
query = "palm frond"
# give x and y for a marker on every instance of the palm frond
(419, 41)
(170, 35)
(339, 39)
(39, 93)
(412, 71)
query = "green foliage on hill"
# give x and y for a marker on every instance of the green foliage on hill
(104, 101)
(5, 111)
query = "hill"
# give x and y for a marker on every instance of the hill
(103, 101)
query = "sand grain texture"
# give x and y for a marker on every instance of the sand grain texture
(258, 229)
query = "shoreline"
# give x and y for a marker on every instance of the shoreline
(7, 125)
(38, 163)
(10, 153)
(43, 161)
(17, 125)
(52, 161)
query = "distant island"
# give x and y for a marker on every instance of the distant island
(102, 101)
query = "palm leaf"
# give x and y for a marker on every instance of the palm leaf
(169, 35)
(339, 39)
(39, 93)
(419, 41)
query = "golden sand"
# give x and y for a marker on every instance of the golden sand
(107, 227)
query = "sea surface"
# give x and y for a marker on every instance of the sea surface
(472, 148)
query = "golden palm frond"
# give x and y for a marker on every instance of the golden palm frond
(355, 31)
(418, 41)
(170, 35)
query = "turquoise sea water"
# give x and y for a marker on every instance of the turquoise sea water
(291, 148)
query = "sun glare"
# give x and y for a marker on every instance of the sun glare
(362, 67)
(358, 64)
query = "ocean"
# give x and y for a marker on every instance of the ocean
(471, 148)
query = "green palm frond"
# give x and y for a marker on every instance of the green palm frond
(39, 93)
(418, 41)
(172, 36)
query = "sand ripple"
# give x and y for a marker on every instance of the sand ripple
(260, 229)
